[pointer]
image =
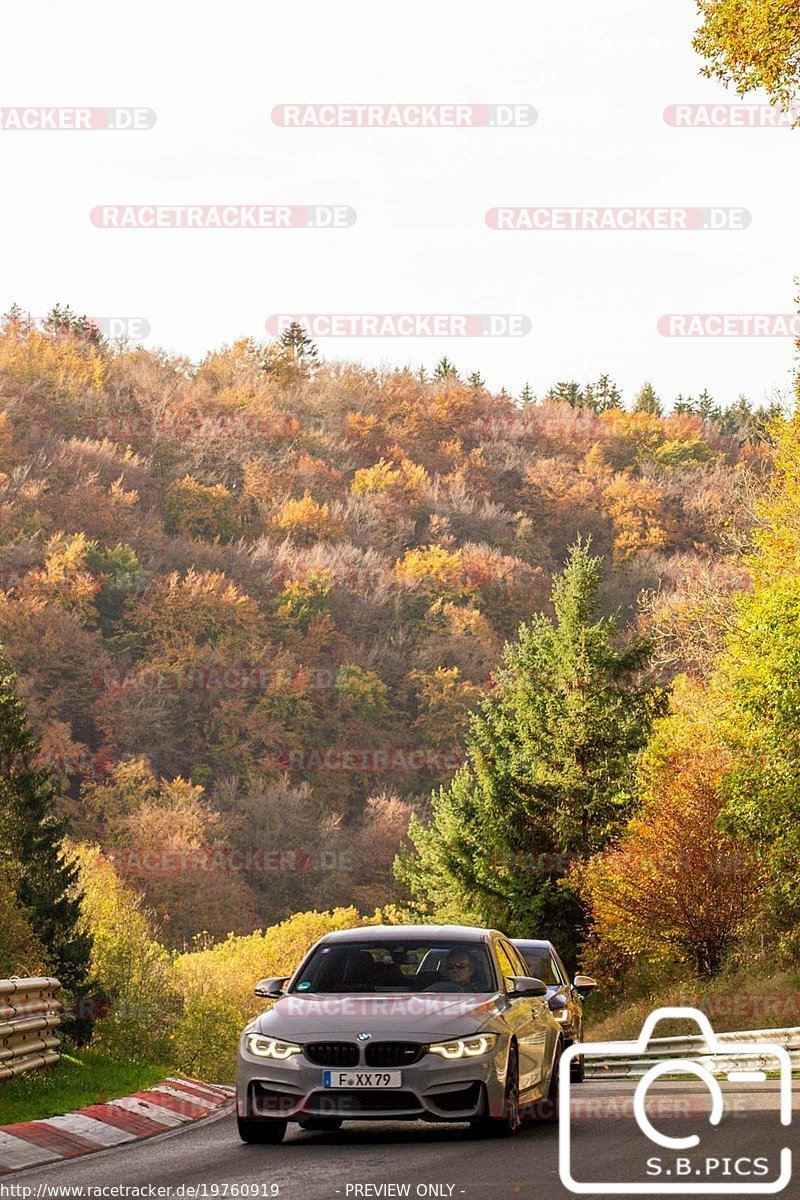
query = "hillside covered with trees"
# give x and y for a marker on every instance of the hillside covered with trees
(252, 601)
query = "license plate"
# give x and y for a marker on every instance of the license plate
(362, 1079)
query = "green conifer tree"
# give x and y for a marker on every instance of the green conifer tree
(32, 837)
(549, 777)
(647, 401)
(445, 369)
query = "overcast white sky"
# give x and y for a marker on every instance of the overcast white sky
(600, 74)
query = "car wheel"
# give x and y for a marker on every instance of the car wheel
(267, 1132)
(321, 1124)
(546, 1111)
(577, 1069)
(509, 1123)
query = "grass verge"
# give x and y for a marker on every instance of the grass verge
(81, 1078)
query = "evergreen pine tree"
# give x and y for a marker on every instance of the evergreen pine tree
(476, 380)
(647, 401)
(296, 341)
(15, 320)
(61, 319)
(526, 395)
(549, 774)
(31, 837)
(706, 407)
(602, 395)
(567, 392)
(444, 369)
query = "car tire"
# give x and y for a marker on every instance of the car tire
(545, 1112)
(266, 1132)
(510, 1122)
(577, 1069)
(321, 1124)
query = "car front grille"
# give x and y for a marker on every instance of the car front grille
(332, 1054)
(393, 1054)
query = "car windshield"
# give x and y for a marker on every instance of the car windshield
(541, 966)
(415, 965)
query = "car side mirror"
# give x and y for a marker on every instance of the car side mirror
(584, 983)
(557, 1003)
(525, 985)
(271, 988)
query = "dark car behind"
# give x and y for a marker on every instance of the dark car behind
(564, 997)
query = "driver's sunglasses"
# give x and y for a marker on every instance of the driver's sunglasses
(460, 966)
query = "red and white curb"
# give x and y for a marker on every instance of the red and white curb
(176, 1101)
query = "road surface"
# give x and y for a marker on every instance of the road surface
(386, 1160)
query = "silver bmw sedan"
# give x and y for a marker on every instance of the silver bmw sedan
(431, 1022)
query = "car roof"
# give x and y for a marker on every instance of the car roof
(533, 944)
(401, 933)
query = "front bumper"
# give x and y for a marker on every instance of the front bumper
(432, 1089)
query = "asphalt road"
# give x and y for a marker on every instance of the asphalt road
(363, 1159)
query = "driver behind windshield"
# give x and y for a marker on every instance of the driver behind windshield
(457, 972)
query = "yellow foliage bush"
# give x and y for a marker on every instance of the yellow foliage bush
(128, 965)
(306, 520)
(406, 479)
(434, 569)
(64, 578)
(56, 367)
(636, 507)
(445, 701)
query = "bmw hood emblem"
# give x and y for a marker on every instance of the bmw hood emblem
(363, 1037)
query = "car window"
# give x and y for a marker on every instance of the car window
(517, 959)
(416, 965)
(558, 974)
(561, 969)
(541, 966)
(507, 967)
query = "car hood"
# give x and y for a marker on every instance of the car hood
(412, 1016)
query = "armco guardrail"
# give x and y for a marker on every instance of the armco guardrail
(696, 1049)
(29, 1017)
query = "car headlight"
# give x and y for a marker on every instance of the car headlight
(561, 1014)
(267, 1047)
(465, 1047)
